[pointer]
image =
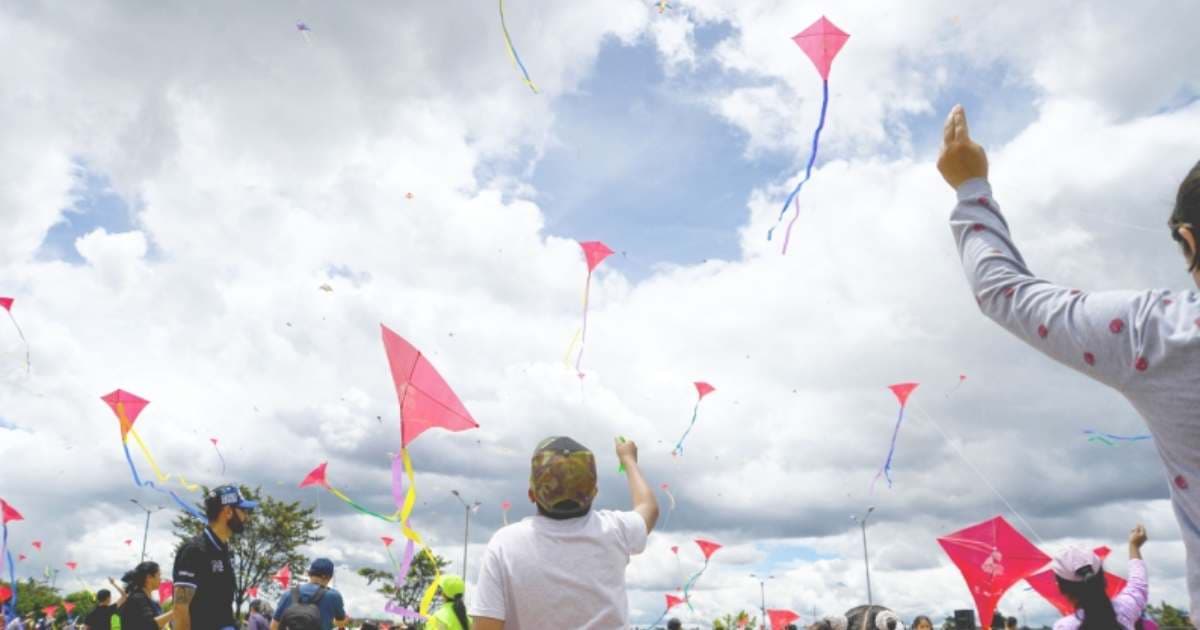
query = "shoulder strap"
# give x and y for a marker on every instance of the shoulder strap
(295, 595)
(319, 595)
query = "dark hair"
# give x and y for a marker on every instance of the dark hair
(460, 611)
(674, 624)
(1187, 211)
(103, 594)
(1011, 622)
(1091, 596)
(862, 617)
(919, 619)
(137, 577)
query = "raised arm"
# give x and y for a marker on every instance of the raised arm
(644, 500)
(1111, 336)
(1137, 590)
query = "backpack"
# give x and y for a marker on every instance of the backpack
(302, 615)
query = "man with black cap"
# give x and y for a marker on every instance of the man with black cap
(204, 579)
(565, 567)
(324, 601)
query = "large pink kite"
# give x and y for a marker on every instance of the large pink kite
(702, 389)
(426, 402)
(992, 556)
(821, 42)
(672, 601)
(594, 252)
(8, 514)
(1046, 585)
(283, 576)
(901, 391)
(780, 618)
(6, 303)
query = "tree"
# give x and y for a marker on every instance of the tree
(732, 622)
(420, 575)
(272, 537)
(1168, 617)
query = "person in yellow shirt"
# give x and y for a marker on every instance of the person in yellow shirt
(453, 614)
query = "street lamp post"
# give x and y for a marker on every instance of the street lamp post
(866, 559)
(145, 532)
(467, 509)
(762, 590)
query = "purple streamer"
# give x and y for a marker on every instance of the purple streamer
(812, 158)
(886, 471)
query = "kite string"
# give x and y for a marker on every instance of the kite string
(587, 289)
(25, 341)
(679, 445)
(979, 474)
(812, 157)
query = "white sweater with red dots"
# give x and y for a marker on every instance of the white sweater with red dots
(1145, 344)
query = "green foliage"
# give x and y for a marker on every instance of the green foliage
(732, 621)
(33, 596)
(1169, 617)
(272, 538)
(420, 575)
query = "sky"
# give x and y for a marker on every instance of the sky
(177, 180)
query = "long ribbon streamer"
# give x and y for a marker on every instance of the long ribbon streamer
(670, 496)
(812, 158)
(26, 342)
(678, 450)
(1106, 437)
(162, 478)
(688, 586)
(512, 51)
(587, 290)
(886, 470)
(6, 555)
(219, 455)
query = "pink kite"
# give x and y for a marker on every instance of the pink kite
(72, 565)
(781, 618)
(128, 542)
(8, 514)
(6, 303)
(1046, 585)
(127, 407)
(992, 556)
(702, 389)
(708, 548)
(166, 590)
(50, 611)
(821, 42)
(387, 540)
(69, 607)
(594, 252)
(505, 506)
(5, 593)
(132, 405)
(252, 591)
(37, 544)
(426, 401)
(283, 576)
(22, 557)
(901, 391)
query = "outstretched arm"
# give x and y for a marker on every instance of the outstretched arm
(644, 501)
(1111, 336)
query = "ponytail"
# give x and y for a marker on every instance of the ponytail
(460, 611)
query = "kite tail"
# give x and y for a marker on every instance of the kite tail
(6, 556)
(1120, 438)
(886, 471)
(222, 458)
(571, 348)
(812, 158)
(679, 445)
(25, 341)
(688, 586)
(512, 51)
(138, 481)
(669, 512)
(587, 289)
(665, 612)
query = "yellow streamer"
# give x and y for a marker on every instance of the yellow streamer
(162, 477)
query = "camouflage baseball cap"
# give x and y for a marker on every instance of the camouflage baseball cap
(562, 477)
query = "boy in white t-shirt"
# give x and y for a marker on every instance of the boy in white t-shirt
(565, 567)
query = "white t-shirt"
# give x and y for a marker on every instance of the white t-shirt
(541, 573)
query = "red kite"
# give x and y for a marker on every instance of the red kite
(72, 565)
(702, 389)
(6, 303)
(69, 607)
(672, 602)
(595, 252)
(166, 589)
(128, 542)
(1047, 586)
(821, 42)
(8, 514)
(5, 593)
(252, 591)
(22, 557)
(901, 391)
(708, 548)
(387, 540)
(37, 544)
(50, 611)
(781, 618)
(992, 556)
(283, 576)
(127, 407)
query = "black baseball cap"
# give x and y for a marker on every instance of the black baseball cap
(227, 495)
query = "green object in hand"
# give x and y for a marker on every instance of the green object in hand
(621, 467)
